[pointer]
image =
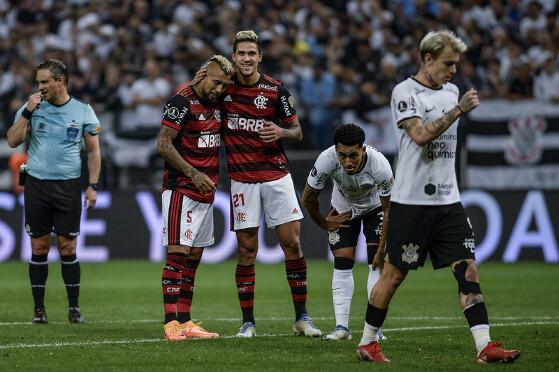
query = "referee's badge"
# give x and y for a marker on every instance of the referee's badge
(333, 237)
(410, 254)
(72, 132)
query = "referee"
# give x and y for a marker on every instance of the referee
(54, 123)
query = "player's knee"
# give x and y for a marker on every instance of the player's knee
(392, 276)
(67, 247)
(466, 276)
(343, 263)
(40, 246)
(291, 246)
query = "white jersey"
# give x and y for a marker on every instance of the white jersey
(424, 175)
(356, 192)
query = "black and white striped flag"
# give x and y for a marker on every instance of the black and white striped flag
(513, 145)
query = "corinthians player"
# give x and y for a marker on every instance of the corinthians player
(362, 179)
(426, 215)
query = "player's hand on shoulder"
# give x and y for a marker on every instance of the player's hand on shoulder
(270, 132)
(203, 183)
(469, 101)
(335, 220)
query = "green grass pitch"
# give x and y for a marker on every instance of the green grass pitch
(121, 301)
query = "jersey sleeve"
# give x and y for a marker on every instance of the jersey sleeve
(18, 113)
(286, 105)
(175, 112)
(91, 123)
(404, 104)
(320, 172)
(385, 176)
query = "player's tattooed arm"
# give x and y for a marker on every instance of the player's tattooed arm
(423, 134)
(168, 151)
(292, 131)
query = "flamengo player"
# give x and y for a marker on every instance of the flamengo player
(257, 166)
(189, 142)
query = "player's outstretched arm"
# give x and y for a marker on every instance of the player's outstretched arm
(271, 132)
(167, 150)
(423, 134)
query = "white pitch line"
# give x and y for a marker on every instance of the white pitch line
(154, 340)
(281, 319)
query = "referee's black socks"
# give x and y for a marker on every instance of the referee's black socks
(71, 275)
(38, 273)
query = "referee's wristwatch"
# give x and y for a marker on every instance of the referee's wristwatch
(94, 186)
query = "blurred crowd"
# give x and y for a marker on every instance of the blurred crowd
(340, 59)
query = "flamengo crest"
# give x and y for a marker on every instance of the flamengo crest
(260, 102)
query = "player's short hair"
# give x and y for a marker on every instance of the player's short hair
(57, 68)
(349, 135)
(435, 41)
(246, 35)
(222, 62)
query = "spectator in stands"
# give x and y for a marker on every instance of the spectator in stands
(546, 83)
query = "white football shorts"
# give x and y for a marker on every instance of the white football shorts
(186, 221)
(276, 198)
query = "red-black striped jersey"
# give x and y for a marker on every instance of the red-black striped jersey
(245, 108)
(198, 141)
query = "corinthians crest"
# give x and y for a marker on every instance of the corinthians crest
(410, 254)
(525, 143)
(333, 237)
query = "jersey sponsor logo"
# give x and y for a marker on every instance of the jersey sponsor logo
(268, 87)
(287, 107)
(429, 109)
(249, 124)
(439, 150)
(201, 117)
(333, 237)
(430, 189)
(470, 244)
(217, 115)
(209, 140)
(410, 254)
(228, 98)
(194, 102)
(260, 102)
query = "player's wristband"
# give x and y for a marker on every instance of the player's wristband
(26, 113)
(94, 186)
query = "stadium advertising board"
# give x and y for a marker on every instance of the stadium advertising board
(509, 226)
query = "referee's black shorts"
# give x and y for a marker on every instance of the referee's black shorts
(442, 231)
(52, 205)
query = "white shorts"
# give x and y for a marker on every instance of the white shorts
(186, 221)
(277, 198)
